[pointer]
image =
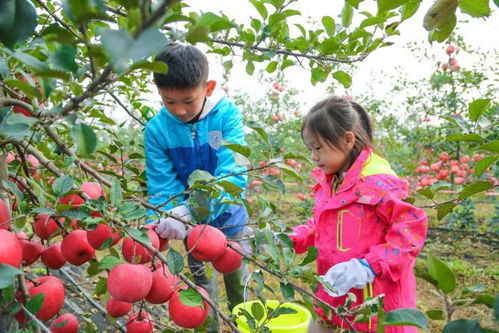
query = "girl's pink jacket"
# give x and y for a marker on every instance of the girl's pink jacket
(367, 218)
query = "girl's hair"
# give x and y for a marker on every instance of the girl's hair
(330, 118)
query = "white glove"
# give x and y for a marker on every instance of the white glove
(171, 228)
(245, 242)
(347, 275)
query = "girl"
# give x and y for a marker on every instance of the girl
(367, 236)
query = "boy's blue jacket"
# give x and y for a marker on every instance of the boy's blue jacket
(175, 149)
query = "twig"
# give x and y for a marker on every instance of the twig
(130, 113)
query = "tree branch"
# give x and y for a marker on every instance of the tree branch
(125, 108)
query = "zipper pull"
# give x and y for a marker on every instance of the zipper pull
(193, 132)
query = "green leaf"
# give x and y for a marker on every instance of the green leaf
(80, 11)
(346, 15)
(343, 78)
(354, 3)
(272, 66)
(435, 314)
(152, 66)
(444, 30)
(329, 25)
(13, 187)
(257, 310)
(496, 310)
(16, 125)
(260, 7)
(440, 272)
(18, 21)
(287, 291)
(463, 326)
(259, 129)
(250, 67)
(138, 235)
(390, 4)
(201, 176)
(484, 164)
(124, 50)
(312, 253)
(471, 137)
(108, 262)
(439, 14)
(281, 311)
(64, 58)
(491, 146)
(318, 74)
(409, 9)
(406, 317)
(85, 138)
(7, 275)
(474, 188)
(478, 108)
(485, 299)
(274, 182)
(243, 150)
(35, 303)
(28, 89)
(62, 185)
(175, 261)
(427, 192)
(115, 193)
(475, 8)
(372, 21)
(29, 60)
(289, 171)
(190, 297)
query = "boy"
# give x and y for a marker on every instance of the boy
(187, 135)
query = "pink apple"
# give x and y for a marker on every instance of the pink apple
(52, 256)
(92, 189)
(230, 261)
(11, 252)
(102, 233)
(164, 284)
(66, 323)
(75, 248)
(129, 282)
(140, 322)
(188, 316)
(136, 253)
(206, 243)
(44, 226)
(117, 308)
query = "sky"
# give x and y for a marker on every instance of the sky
(381, 63)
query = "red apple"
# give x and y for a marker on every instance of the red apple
(75, 248)
(230, 261)
(92, 189)
(188, 316)
(140, 322)
(443, 174)
(102, 233)
(435, 166)
(129, 282)
(445, 66)
(444, 157)
(450, 49)
(32, 249)
(458, 180)
(73, 200)
(465, 159)
(66, 323)
(136, 253)
(45, 226)
(11, 252)
(4, 215)
(164, 284)
(206, 243)
(454, 169)
(117, 308)
(424, 169)
(52, 256)
(300, 196)
(53, 299)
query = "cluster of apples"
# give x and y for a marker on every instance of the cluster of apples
(427, 173)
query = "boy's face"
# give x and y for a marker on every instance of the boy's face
(185, 104)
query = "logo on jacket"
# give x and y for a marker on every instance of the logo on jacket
(215, 139)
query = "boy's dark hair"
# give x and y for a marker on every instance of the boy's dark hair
(187, 67)
(330, 118)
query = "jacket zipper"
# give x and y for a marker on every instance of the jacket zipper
(194, 136)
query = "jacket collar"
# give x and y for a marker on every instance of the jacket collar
(350, 178)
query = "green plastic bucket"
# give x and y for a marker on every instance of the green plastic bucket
(285, 323)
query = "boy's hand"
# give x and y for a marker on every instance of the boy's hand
(344, 276)
(172, 228)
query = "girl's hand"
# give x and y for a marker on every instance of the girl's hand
(344, 276)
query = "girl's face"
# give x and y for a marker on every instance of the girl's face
(327, 157)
